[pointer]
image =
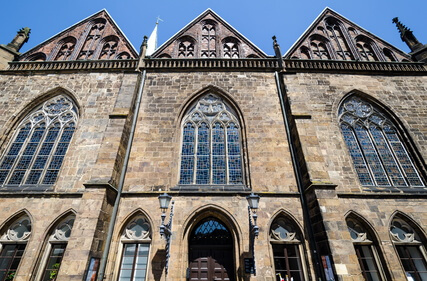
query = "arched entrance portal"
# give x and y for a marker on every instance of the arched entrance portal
(211, 252)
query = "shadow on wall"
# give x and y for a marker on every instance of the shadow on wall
(158, 264)
(241, 273)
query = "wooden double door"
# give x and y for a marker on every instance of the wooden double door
(211, 263)
(211, 256)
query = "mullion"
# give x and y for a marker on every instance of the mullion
(196, 149)
(132, 276)
(287, 261)
(210, 141)
(227, 168)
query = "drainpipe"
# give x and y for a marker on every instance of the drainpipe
(141, 81)
(286, 112)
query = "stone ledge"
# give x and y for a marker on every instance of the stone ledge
(100, 184)
(321, 185)
(422, 194)
(208, 193)
(41, 194)
(221, 64)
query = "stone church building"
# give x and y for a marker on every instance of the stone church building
(209, 159)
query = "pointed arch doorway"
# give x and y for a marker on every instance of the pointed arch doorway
(211, 254)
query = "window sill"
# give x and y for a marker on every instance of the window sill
(209, 188)
(394, 189)
(26, 188)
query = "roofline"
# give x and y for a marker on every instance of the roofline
(121, 31)
(306, 30)
(200, 15)
(332, 10)
(86, 18)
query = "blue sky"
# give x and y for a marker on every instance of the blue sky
(257, 20)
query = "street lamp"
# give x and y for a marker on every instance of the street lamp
(253, 202)
(166, 229)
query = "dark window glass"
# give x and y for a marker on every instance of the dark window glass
(367, 262)
(287, 262)
(10, 258)
(413, 262)
(54, 261)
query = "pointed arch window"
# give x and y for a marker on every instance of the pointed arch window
(186, 47)
(66, 49)
(336, 36)
(410, 247)
(13, 241)
(287, 248)
(109, 48)
(211, 146)
(55, 249)
(136, 239)
(389, 55)
(95, 33)
(365, 47)
(208, 45)
(231, 48)
(37, 150)
(366, 250)
(375, 145)
(318, 45)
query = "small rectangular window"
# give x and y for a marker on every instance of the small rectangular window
(133, 266)
(54, 261)
(367, 262)
(287, 262)
(10, 258)
(413, 262)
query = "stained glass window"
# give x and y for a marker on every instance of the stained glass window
(379, 156)
(38, 148)
(211, 144)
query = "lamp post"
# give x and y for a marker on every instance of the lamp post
(166, 229)
(253, 202)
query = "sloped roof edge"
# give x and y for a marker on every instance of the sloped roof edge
(77, 23)
(326, 9)
(208, 10)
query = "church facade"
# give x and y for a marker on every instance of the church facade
(210, 160)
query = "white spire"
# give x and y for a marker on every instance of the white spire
(152, 40)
